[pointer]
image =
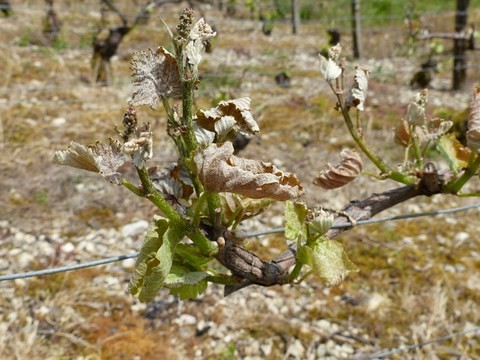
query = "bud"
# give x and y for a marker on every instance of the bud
(322, 222)
(416, 109)
(185, 24)
(473, 133)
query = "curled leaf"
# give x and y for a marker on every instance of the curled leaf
(436, 127)
(342, 173)
(186, 284)
(295, 215)
(402, 133)
(100, 158)
(155, 260)
(320, 222)
(204, 136)
(155, 74)
(197, 39)
(358, 93)
(140, 145)
(473, 133)
(453, 151)
(328, 261)
(172, 180)
(416, 109)
(241, 207)
(334, 52)
(231, 115)
(329, 69)
(221, 171)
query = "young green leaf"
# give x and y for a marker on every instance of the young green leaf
(242, 207)
(295, 217)
(186, 292)
(155, 260)
(180, 276)
(453, 151)
(328, 261)
(321, 221)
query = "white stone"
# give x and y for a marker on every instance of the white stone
(461, 237)
(185, 319)
(134, 229)
(296, 350)
(24, 259)
(128, 264)
(59, 121)
(68, 247)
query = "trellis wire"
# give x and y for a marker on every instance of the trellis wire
(384, 354)
(248, 234)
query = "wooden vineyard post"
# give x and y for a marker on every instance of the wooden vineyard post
(295, 17)
(356, 29)
(460, 46)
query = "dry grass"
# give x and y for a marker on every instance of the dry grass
(418, 280)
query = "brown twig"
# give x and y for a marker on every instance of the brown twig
(251, 270)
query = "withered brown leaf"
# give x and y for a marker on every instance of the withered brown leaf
(221, 171)
(100, 158)
(473, 133)
(342, 173)
(227, 116)
(155, 74)
(358, 93)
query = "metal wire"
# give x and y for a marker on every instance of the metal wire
(384, 354)
(68, 267)
(248, 234)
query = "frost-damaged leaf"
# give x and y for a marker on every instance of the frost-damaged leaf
(453, 151)
(328, 261)
(204, 136)
(100, 158)
(473, 133)
(320, 221)
(155, 260)
(198, 37)
(402, 134)
(140, 145)
(78, 156)
(295, 216)
(329, 69)
(231, 115)
(416, 109)
(242, 207)
(221, 171)
(435, 128)
(358, 93)
(155, 74)
(173, 180)
(340, 174)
